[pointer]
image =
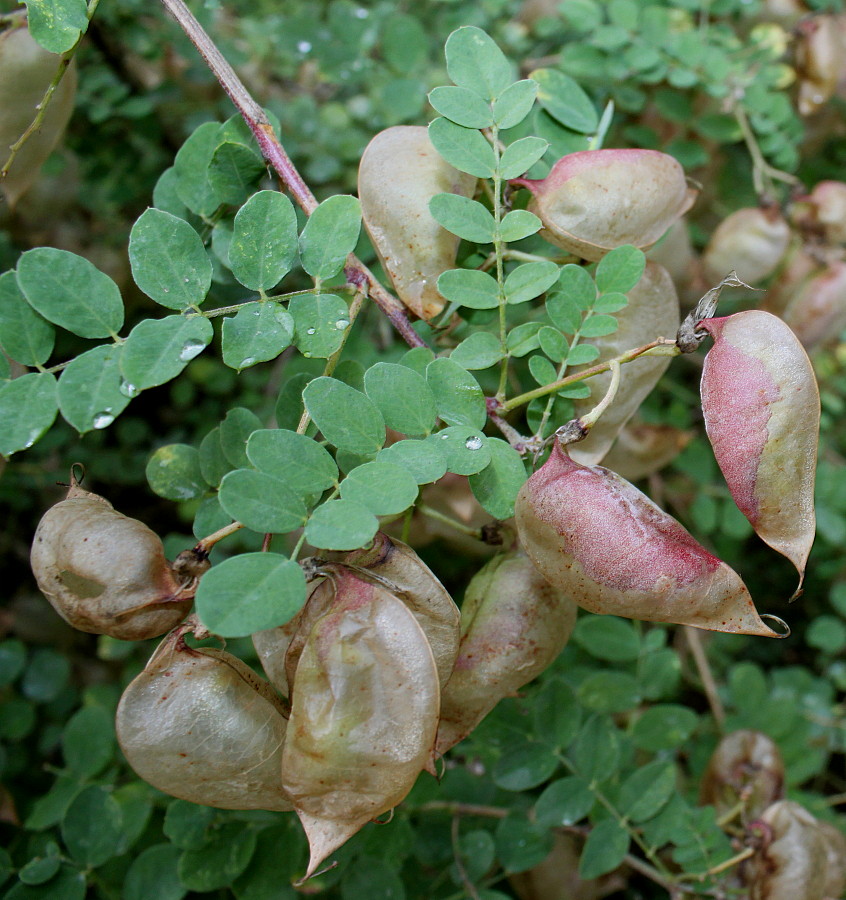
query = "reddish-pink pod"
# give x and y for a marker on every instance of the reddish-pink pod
(750, 241)
(762, 414)
(816, 313)
(609, 548)
(595, 200)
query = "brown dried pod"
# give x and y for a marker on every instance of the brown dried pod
(104, 572)
(750, 241)
(514, 623)
(606, 545)
(26, 70)
(653, 311)
(202, 726)
(364, 714)
(746, 767)
(399, 174)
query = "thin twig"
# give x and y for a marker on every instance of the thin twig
(694, 641)
(459, 865)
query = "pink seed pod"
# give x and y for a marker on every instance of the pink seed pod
(762, 415)
(363, 717)
(202, 726)
(595, 200)
(399, 174)
(816, 312)
(609, 548)
(514, 623)
(751, 242)
(653, 311)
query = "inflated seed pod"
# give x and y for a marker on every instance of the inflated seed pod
(820, 61)
(26, 70)
(407, 577)
(835, 845)
(399, 174)
(792, 864)
(746, 767)
(750, 241)
(104, 572)
(202, 726)
(762, 415)
(364, 714)
(514, 623)
(609, 548)
(816, 312)
(824, 211)
(643, 448)
(595, 200)
(653, 311)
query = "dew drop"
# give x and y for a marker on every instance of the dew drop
(444, 437)
(361, 13)
(103, 420)
(186, 279)
(304, 46)
(190, 349)
(128, 389)
(311, 331)
(473, 443)
(341, 324)
(247, 362)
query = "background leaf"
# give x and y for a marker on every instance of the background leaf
(89, 392)
(330, 235)
(264, 240)
(347, 418)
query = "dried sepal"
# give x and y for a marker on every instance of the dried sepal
(595, 200)
(202, 726)
(104, 572)
(364, 714)
(762, 415)
(399, 174)
(514, 623)
(652, 311)
(606, 545)
(752, 241)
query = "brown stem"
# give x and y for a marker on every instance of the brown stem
(459, 865)
(275, 154)
(694, 641)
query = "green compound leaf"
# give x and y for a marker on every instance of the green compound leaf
(541, 369)
(465, 217)
(609, 692)
(564, 312)
(89, 393)
(348, 419)
(582, 354)
(168, 259)
(553, 343)
(605, 848)
(644, 793)
(524, 338)
(250, 592)
(70, 292)
(462, 106)
(298, 460)
(458, 397)
(174, 472)
(28, 406)
(423, 460)
(519, 224)
(521, 844)
(611, 303)
(597, 326)
(475, 62)
(223, 858)
(403, 397)
(577, 286)
(530, 280)
(213, 464)
(157, 350)
(515, 103)
(191, 167)
(320, 322)
(235, 430)
(57, 24)
(520, 156)
(341, 525)
(88, 741)
(664, 727)
(92, 828)
(565, 101)
(330, 235)
(382, 487)
(479, 351)
(596, 751)
(525, 767)
(261, 501)
(464, 148)
(497, 485)
(68, 884)
(466, 449)
(233, 170)
(564, 802)
(264, 241)
(608, 638)
(25, 336)
(620, 270)
(470, 288)
(256, 333)
(153, 873)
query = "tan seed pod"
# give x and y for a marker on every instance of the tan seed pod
(816, 311)
(642, 448)
(104, 572)
(820, 61)
(202, 726)
(399, 174)
(750, 241)
(26, 70)
(835, 845)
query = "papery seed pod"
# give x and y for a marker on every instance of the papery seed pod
(399, 174)
(653, 311)
(595, 200)
(643, 448)
(762, 415)
(202, 726)
(835, 845)
(746, 767)
(750, 241)
(824, 211)
(26, 70)
(676, 254)
(513, 625)
(816, 313)
(364, 714)
(412, 581)
(820, 61)
(104, 572)
(607, 546)
(793, 861)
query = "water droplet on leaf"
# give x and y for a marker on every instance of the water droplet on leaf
(247, 362)
(311, 331)
(473, 443)
(128, 390)
(103, 420)
(341, 324)
(190, 349)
